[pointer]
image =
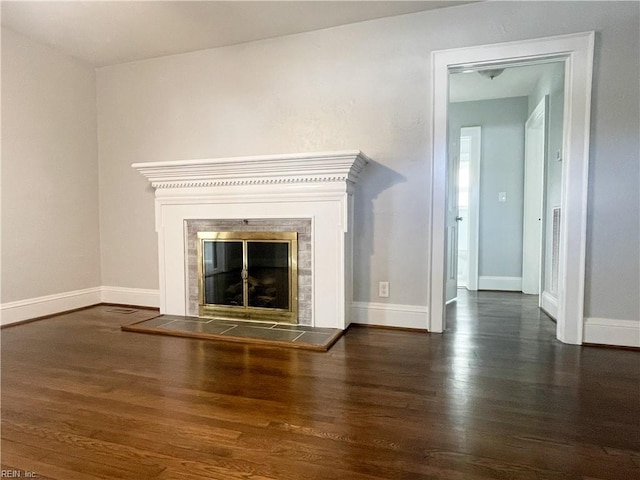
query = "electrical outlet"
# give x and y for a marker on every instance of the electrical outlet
(383, 289)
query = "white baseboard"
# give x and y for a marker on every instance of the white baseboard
(141, 297)
(389, 315)
(609, 331)
(549, 303)
(12, 312)
(500, 283)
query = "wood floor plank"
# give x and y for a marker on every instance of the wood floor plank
(496, 397)
(52, 464)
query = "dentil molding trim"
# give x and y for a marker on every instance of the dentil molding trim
(326, 167)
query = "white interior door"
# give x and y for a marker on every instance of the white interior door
(534, 160)
(452, 219)
(469, 206)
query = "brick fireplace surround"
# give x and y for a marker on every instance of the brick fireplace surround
(315, 188)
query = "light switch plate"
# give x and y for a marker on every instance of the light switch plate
(502, 196)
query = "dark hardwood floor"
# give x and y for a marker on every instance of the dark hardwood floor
(496, 397)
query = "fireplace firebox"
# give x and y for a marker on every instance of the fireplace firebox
(248, 275)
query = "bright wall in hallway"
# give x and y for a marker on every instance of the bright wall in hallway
(501, 170)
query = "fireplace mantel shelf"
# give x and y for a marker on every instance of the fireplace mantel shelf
(342, 166)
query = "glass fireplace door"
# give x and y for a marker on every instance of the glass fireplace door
(268, 274)
(223, 267)
(248, 275)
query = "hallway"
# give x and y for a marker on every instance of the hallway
(499, 313)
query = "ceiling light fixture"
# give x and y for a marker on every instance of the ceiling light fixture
(491, 73)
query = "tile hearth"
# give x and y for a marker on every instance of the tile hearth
(291, 336)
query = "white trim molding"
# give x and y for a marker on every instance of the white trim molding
(507, 284)
(389, 315)
(323, 167)
(549, 303)
(609, 331)
(140, 297)
(13, 312)
(576, 51)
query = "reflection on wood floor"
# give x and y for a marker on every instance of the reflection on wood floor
(496, 397)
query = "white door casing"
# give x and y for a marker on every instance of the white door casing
(577, 52)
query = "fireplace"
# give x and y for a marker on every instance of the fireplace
(268, 228)
(228, 200)
(248, 275)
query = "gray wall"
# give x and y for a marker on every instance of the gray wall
(365, 86)
(50, 239)
(501, 170)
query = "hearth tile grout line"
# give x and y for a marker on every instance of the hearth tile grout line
(228, 329)
(165, 324)
(275, 328)
(187, 319)
(298, 337)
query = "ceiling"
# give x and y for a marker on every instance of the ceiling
(110, 32)
(513, 82)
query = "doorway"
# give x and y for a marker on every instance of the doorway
(499, 211)
(577, 53)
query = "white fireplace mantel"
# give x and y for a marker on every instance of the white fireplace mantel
(344, 166)
(315, 186)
